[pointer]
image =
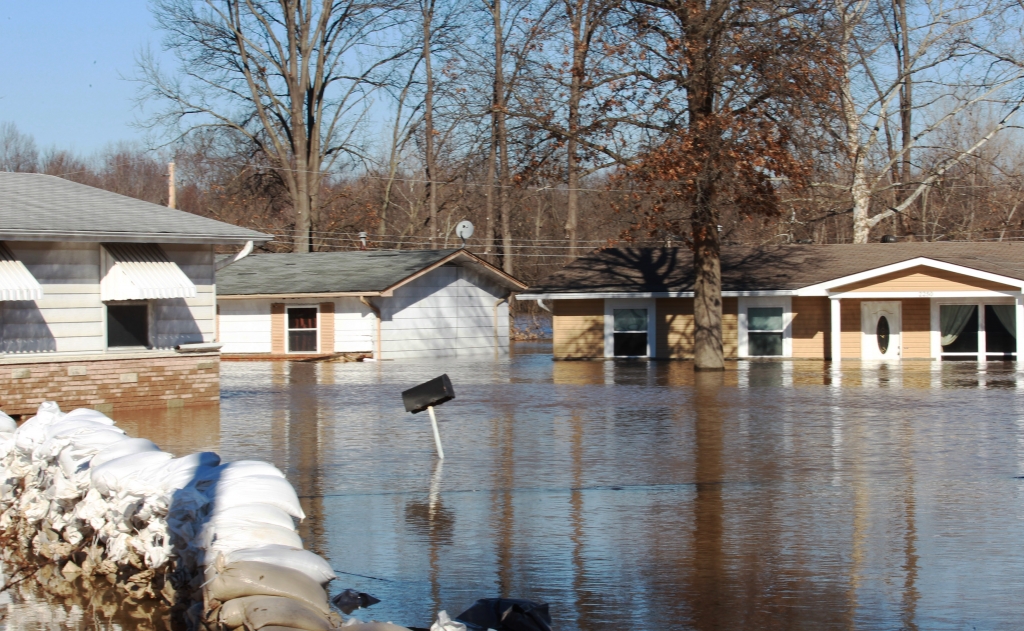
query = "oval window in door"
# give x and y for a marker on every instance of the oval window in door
(882, 333)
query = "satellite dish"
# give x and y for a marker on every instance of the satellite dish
(464, 230)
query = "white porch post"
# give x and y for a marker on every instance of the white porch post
(1019, 311)
(837, 332)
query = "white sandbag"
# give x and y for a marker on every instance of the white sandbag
(7, 424)
(265, 513)
(377, 626)
(311, 564)
(113, 475)
(268, 489)
(180, 472)
(32, 432)
(77, 456)
(228, 536)
(231, 471)
(87, 413)
(252, 578)
(444, 623)
(76, 433)
(121, 449)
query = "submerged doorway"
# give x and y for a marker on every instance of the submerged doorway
(881, 326)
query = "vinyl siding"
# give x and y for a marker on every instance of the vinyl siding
(730, 327)
(354, 326)
(245, 326)
(578, 329)
(447, 313)
(811, 323)
(70, 318)
(278, 323)
(924, 279)
(849, 316)
(916, 334)
(674, 333)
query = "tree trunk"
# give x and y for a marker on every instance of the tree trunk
(505, 178)
(708, 353)
(492, 168)
(572, 159)
(428, 121)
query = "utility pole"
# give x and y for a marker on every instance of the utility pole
(170, 185)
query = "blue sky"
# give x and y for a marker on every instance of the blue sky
(60, 79)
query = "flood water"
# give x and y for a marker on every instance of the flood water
(635, 495)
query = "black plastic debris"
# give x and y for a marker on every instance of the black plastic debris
(506, 614)
(350, 600)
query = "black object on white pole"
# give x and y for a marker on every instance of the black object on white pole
(424, 397)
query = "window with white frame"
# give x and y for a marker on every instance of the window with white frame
(630, 332)
(977, 331)
(765, 331)
(303, 333)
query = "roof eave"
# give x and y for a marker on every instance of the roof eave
(132, 237)
(474, 262)
(306, 296)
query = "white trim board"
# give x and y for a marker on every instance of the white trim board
(821, 289)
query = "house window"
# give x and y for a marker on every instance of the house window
(127, 326)
(302, 330)
(1000, 330)
(630, 332)
(764, 331)
(977, 331)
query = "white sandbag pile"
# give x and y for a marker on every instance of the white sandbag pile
(216, 542)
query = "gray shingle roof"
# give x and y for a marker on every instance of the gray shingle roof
(787, 267)
(44, 207)
(323, 272)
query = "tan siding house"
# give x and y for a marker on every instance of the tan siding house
(871, 302)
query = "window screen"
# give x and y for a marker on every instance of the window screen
(764, 331)
(302, 323)
(127, 325)
(630, 332)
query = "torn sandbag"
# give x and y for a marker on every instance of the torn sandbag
(506, 614)
(311, 564)
(444, 623)
(349, 600)
(252, 578)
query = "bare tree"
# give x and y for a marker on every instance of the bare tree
(18, 151)
(282, 75)
(945, 49)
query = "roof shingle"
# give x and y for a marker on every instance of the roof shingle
(37, 207)
(786, 267)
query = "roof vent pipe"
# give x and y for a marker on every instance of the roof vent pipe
(889, 238)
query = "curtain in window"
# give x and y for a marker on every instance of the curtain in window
(952, 320)
(1007, 317)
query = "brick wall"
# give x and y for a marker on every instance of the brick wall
(108, 384)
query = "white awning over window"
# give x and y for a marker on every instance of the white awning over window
(141, 271)
(16, 282)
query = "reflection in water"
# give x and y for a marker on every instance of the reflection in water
(636, 495)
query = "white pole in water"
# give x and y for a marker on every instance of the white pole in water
(437, 435)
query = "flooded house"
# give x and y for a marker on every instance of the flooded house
(390, 304)
(936, 301)
(105, 301)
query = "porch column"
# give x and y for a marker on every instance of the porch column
(1019, 312)
(837, 331)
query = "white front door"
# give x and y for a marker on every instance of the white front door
(880, 329)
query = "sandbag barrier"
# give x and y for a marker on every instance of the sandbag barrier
(213, 542)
